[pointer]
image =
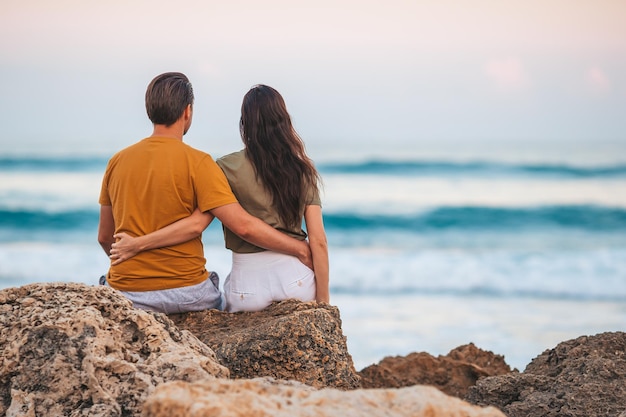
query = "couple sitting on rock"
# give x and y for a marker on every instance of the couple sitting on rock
(159, 194)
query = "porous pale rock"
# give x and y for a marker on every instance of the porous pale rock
(269, 398)
(453, 373)
(583, 377)
(78, 350)
(289, 340)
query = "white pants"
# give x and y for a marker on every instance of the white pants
(258, 279)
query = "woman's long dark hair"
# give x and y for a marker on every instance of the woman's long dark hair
(276, 152)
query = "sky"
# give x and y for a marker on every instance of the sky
(360, 76)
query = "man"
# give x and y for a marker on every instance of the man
(160, 180)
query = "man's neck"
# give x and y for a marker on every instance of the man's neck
(174, 131)
(177, 129)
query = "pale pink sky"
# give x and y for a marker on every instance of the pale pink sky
(459, 70)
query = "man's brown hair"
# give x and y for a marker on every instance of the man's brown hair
(167, 97)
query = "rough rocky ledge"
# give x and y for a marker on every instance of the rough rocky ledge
(77, 350)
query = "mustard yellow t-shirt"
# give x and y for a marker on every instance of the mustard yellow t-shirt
(149, 185)
(255, 199)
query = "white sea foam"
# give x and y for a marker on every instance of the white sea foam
(49, 191)
(398, 195)
(594, 274)
(556, 274)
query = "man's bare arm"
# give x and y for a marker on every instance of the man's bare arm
(232, 216)
(259, 233)
(106, 228)
(126, 246)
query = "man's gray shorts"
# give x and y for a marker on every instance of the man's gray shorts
(203, 296)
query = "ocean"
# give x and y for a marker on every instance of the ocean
(426, 254)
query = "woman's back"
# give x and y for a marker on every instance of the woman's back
(254, 197)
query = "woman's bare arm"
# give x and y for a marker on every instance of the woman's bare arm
(183, 230)
(319, 249)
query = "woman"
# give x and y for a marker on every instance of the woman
(274, 180)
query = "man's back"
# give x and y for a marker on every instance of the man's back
(149, 185)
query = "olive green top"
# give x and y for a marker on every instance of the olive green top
(257, 201)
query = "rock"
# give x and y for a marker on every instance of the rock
(580, 377)
(267, 398)
(452, 374)
(78, 350)
(289, 340)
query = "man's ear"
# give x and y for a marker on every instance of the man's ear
(188, 112)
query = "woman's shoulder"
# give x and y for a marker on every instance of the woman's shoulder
(236, 166)
(232, 158)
